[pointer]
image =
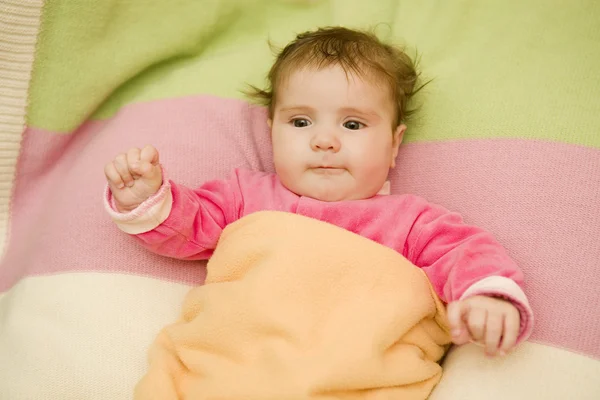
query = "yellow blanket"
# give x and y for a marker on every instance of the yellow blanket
(295, 308)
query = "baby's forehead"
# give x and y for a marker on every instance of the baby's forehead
(321, 82)
(311, 77)
(372, 104)
(307, 72)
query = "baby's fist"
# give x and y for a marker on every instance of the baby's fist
(491, 322)
(133, 177)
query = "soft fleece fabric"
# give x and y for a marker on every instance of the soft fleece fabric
(294, 308)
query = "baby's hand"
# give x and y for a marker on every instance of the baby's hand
(133, 177)
(491, 322)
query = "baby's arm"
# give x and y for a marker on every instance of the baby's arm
(472, 272)
(168, 219)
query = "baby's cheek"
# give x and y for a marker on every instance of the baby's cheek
(289, 167)
(375, 167)
(373, 175)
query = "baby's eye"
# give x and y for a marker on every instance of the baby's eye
(353, 125)
(300, 122)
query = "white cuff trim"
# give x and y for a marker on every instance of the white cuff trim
(147, 216)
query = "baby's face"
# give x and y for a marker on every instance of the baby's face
(332, 135)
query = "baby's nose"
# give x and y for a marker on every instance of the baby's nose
(325, 142)
(325, 145)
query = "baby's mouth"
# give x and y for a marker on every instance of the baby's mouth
(328, 170)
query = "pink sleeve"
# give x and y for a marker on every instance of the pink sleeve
(463, 261)
(180, 222)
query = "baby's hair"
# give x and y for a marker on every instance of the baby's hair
(357, 52)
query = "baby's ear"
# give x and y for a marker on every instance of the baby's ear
(398, 137)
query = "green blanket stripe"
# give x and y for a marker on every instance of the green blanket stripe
(87, 50)
(501, 69)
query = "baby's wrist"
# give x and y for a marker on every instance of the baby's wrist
(125, 209)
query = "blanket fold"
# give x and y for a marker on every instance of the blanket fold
(295, 308)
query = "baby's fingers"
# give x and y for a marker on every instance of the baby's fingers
(112, 176)
(476, 322)
(144, 169)
(133, 158)
(458, 328)
(122, 167)
(147, 165)
(510, 334)
(493, 333)
(149, 154)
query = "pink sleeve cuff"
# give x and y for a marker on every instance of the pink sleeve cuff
(507, 289)
(147, 216)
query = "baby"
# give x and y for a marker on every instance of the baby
(337, 105)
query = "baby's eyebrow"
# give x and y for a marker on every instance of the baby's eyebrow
(364, 112)
(306, 109)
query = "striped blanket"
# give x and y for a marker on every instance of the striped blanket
(508, 134)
